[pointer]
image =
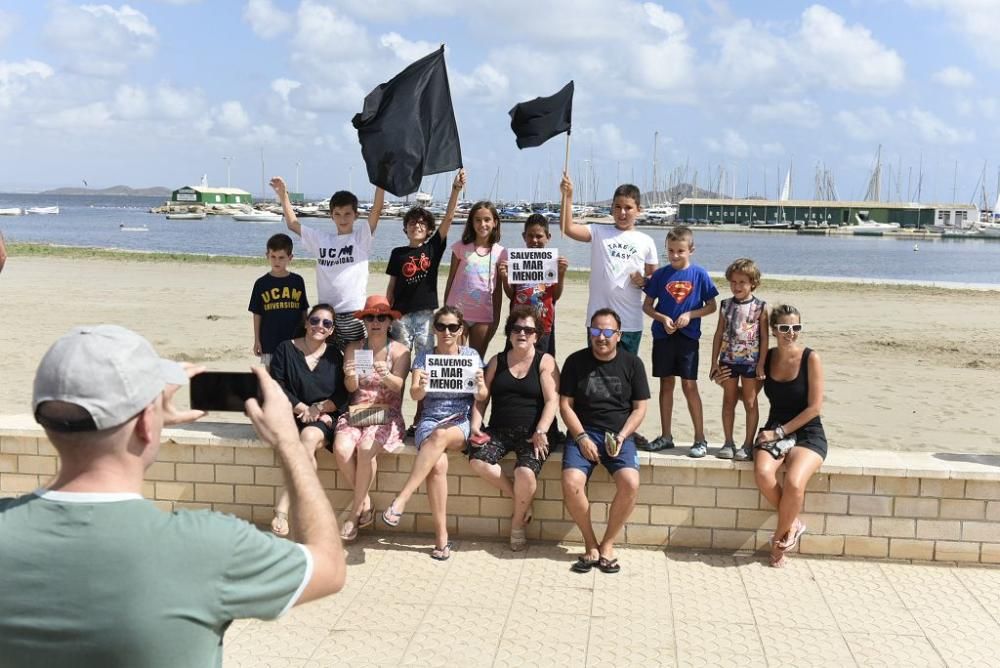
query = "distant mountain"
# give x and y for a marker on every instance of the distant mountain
(119, 191)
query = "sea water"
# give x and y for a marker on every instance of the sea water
(96, 221)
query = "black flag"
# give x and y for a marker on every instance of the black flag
(536, 121)
(407, 128)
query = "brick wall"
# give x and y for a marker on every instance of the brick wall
(862, 504)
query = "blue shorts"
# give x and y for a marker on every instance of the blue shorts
(676, 355)
(740, 370)
(426, 425)
(628, 458)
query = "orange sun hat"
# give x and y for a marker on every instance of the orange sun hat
(377, 305)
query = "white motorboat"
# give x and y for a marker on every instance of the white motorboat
(15, 211)
(988, 229)
(43, 210)
(863, 226)
(133, 228)
(186, 216)
(258, 217)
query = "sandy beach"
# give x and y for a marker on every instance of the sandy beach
(907, 368)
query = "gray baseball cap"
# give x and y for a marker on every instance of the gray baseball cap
(110, 372)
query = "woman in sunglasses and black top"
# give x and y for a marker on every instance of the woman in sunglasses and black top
(312, 375)
(794, 387)
(443, 427)
(373, 422)
(524, 388)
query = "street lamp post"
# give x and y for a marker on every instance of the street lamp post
(229, 164)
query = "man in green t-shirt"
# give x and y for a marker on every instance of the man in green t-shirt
(91, 574)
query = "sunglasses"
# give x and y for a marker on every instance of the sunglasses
(316, 321)
(381, 317)
(452, 327)
(785, 328)
(597, 331)
(523, 329)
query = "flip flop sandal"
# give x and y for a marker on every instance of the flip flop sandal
(349, 534)
(608, 565)
(391, 516)
(793, 540)
(518, 540)
(778, 559)
(280, 520)
(442, 553)
(366, 518)
(583, 565)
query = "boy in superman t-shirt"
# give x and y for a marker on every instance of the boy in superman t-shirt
(678, 296)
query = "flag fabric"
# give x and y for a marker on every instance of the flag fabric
(407, 127)
(536, 121)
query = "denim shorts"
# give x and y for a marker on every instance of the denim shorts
(740, 370)
(628, 458)
(413, 330)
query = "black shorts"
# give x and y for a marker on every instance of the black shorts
(676, 355)
(811, 436)
(503, 441)
(329, 430)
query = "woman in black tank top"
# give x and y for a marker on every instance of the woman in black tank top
(524, 388)
(794, 386)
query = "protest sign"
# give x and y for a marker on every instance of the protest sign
(364, 362)
(452, 373)
(533, 265)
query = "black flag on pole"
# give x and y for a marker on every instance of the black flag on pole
(536, 121)
(407, 128)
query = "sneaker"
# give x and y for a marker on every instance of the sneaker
(661, 443)
(727, 451)
(641, 442)
(698, 450)
(744, 453)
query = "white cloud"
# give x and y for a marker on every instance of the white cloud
(977, 19)
(94, 116)
(232, 117)
(404, 49)
(731, 144)
(265, 19)
(99, 39)
(17, 78)
(866, 124)
(933, 130)
(607, 141)
(823, 52)
(284, 86)
(803, 113)
(131, 102)
(8, 23)
(486, 84)
(179, 104)
(954, 77)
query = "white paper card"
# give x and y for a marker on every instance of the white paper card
(364, 362)
(533, 265)
(452, 373)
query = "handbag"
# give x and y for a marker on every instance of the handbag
(367, 415)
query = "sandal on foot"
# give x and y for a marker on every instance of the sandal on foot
(349, 529)
(778, 559)
(391, 516)
(608, 565)
(366, 518)
(518, 540)
(583, 564)
(528, 516)
(279, 524)
(793, 539)
(442, 553)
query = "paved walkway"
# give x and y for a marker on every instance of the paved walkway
(487, 606)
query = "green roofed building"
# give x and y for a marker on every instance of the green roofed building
(206, 195)
(823, 213)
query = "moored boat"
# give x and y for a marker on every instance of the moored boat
(43, 210)
(12, 211)
(186, 216)
(258, 217)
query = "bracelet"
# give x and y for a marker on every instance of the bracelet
(779, 431)
(582, 435)
(319, 405)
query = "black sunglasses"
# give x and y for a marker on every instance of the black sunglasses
(523, 329)
(597, 331)
(316, 321)
(452, 327)
(381, 317)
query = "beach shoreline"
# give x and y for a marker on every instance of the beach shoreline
(907, 366)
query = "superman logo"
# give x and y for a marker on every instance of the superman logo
(679, 290)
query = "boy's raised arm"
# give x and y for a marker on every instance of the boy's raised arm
(457, 187)
(567, 226)
(376, 212)
(281, 190)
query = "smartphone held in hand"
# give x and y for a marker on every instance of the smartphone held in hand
(223, 390)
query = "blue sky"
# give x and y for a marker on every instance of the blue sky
(159, 92)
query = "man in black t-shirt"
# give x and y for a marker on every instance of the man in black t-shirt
(278, 301)
(603, 399)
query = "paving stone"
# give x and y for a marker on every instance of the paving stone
(889, 651)
(795, 647)
(606, 650)
(276, 640)
(350, 648)
(740, 647)
(862, 599)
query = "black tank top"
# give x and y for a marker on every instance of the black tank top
(788, 398)
(517, 403)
